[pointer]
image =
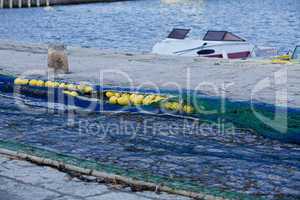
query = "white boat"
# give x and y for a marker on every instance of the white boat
(216, 44)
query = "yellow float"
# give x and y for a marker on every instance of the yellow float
(117, 94)
(40, 83)
(167, 105)
(71, 93)
(51, 84)
(19, 81)
(74, 94)
(148, 99)
(176, 106)
(48, 83)
(123, 100)
(85, 88)
(71, 87)
(132, 97)
(109, 94)
(63, 86)
(113, 100)
(33, 82)
(138, 100)
(188, 109)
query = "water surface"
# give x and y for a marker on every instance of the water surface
(138, 25)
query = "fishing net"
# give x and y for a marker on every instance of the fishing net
(283, 124)
(174, 183)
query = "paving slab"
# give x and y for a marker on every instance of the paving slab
(22, 180)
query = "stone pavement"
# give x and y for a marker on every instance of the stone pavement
(21, 180)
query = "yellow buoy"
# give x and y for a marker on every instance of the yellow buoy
(56, 84)
(109, 94)
(167, 105)
(113, 100)
(40, 83)
(71, 87)
(74, 94)
(176, 106)
(19, 81)
(25, 81)
(132, 97)
(62, 85)
(87, 89)
(125, 95)
(117, 94)
(123, 100)
(84, 88)
(51, 84)
(71, 93)
(148, 99)
(188, 109)
(33, 82)
(48, 83)
(80, 87)
(138, 100)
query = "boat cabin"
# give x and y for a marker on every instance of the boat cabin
(180, 34)
(222, 36)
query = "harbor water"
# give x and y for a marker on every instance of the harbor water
(138, 25)
(239, 161)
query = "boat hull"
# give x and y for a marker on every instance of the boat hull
(213, 49)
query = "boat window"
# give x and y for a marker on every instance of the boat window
(178, 33)
(205, 51)
(221, 36)
(296, 54)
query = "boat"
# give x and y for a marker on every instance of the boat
(291, 58)
(215, 44)
(188, 104)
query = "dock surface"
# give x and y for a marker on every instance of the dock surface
(41, 183)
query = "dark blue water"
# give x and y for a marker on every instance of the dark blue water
(138, 25)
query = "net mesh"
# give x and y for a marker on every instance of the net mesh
(174, 183)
